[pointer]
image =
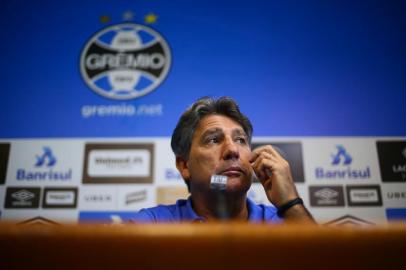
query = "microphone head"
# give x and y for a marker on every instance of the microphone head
(218, 182)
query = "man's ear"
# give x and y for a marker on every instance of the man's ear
(182, 166)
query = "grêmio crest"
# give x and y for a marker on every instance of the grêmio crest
(125, 61)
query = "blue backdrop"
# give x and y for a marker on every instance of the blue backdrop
(297, 68)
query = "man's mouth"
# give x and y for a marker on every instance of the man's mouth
(232, 171)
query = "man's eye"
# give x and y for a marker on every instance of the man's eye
(241, 140)
(212, 140)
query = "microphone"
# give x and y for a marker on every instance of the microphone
(218, 184)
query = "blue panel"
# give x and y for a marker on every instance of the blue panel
(297, 68)
(396, 214)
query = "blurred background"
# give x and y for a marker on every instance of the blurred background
(92, 91)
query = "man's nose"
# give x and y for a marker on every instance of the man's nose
(230, 150)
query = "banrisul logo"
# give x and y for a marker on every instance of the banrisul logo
(341, 156)
(46, 158)
(125, 61)
(44, 168)
(341, 167)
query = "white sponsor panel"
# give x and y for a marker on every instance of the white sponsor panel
(374, 215)
(119, 163)
(165, 167)
(63, 165)
(341, 160)
(394, 195)
(56, 215)
(303, 193)
(55, 162)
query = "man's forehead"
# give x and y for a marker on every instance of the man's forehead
(219, 123)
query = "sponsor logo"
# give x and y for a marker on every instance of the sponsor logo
(292, 152)
(341, 156)
(113, 217)
(349, 221)
(118, 163)
(135, 197)
(122, 110)
(396, 195)
(46, 159)
(44, 169)
(38, 221)
(60, 198)
(326, 196)
(18, 197)
(364, 195)
(396, 214)
(343, 160)
(392, 160)
(169, 195)
(125, 61)
(96, 198)
(4, 154)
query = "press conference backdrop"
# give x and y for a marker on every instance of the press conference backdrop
(91, 92)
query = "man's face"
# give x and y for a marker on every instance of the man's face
(219, 146)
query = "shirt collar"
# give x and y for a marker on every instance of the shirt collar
(255, 212)
(190, 214)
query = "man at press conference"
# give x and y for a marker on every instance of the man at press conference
(212, 145)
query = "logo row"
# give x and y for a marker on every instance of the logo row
(66, 197)
(121, 163)
(29, 197)
(103, 198)
(330, 196)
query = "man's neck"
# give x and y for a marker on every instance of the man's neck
(215, 206)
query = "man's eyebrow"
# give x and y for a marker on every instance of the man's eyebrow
(239, 132)
(212, 131)
(235, 132)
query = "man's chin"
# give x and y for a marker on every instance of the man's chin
(238, 185)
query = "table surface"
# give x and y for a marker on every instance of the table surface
(202, 246)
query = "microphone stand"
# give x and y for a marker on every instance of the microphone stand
(218, 184)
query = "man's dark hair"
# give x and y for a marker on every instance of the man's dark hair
(183, 134)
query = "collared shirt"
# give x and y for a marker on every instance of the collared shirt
(182, 211)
